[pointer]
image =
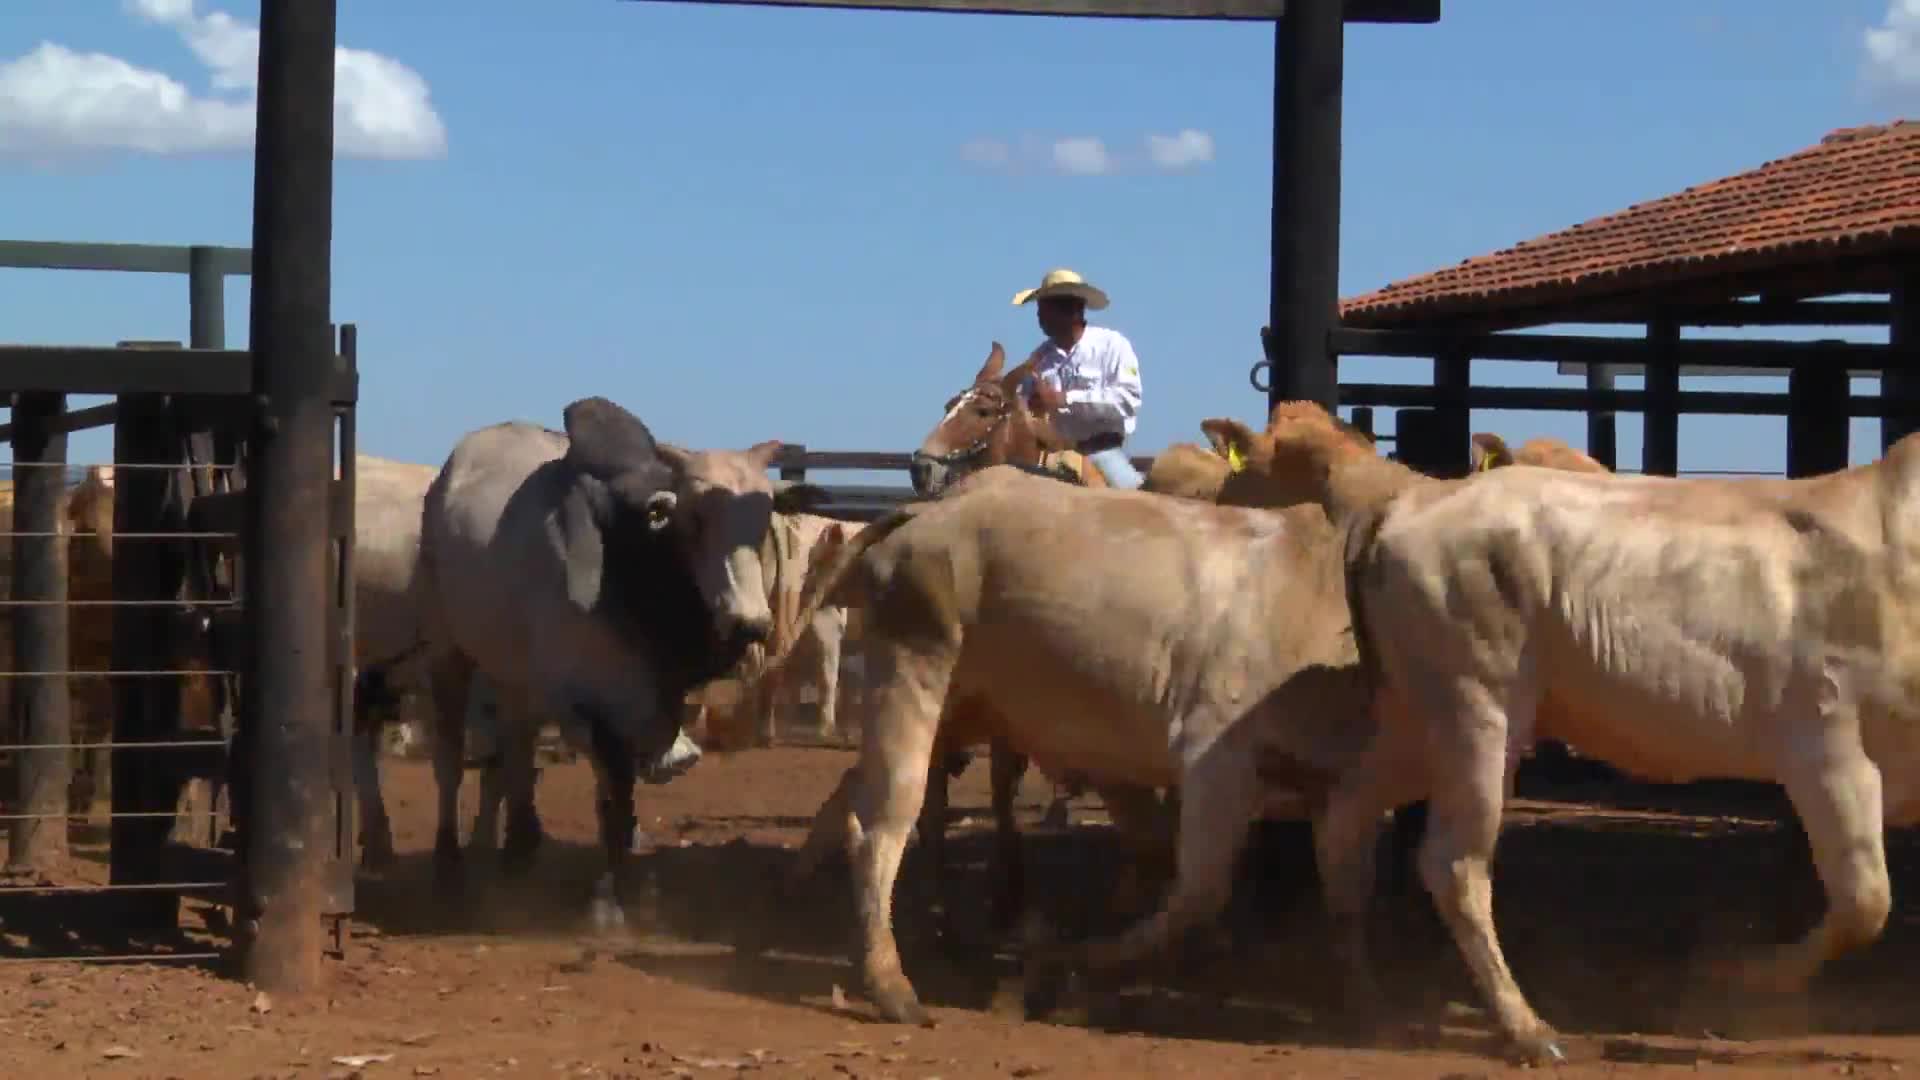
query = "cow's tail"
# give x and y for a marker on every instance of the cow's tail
(826, 580)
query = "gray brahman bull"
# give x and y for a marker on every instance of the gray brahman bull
(594, 577)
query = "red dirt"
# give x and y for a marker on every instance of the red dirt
(1601, 913)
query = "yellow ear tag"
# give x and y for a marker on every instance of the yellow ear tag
(1235, 462)
(1486, 463)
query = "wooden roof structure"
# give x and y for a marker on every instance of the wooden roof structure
(1831, 219)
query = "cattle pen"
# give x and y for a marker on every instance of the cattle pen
(143, 657)
(215, 602)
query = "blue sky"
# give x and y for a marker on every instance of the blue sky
(750, 223)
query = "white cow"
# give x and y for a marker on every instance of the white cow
(1677, 629)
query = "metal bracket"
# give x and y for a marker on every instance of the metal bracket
(1254, 373)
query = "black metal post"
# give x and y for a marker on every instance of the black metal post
(1660, 432)
(286, 700)
(145, 708)
(1453, 420)
(1603, 430)
(1817, 421)
(1308, 61)
(41, 703)
(1900, 380)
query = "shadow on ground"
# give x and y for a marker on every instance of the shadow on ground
(1604, 917)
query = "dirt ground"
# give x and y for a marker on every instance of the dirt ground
(1602, 914)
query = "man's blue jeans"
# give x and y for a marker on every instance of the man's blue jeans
(1119, 471)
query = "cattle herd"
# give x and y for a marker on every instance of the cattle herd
(1283, 624)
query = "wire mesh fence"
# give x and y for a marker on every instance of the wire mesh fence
(66, 831)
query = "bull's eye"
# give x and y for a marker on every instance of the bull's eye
(660, 510)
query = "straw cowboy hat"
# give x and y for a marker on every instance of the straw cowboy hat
(1063, 282)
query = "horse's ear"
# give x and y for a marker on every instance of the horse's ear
(996, 359)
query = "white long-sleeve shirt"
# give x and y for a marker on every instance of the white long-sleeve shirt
(1099, 378)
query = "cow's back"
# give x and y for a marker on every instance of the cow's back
(1102, 612)
(490, 507)
(389, 497)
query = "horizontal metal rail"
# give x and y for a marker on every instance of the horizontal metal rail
(100, 673)
(158, 744)
(121, 815)
(128, 535)
(87, 890)
(118, 465)
(111, 958)
(122, 603)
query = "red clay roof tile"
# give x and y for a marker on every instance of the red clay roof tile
(1857, 192)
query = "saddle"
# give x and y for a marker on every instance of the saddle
(1068, 465)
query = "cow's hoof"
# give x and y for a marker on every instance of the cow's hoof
(901, 1007)
(1056, 816)
(375, 858)
(449, 875)
(1540, 1048)
(604, 912)
(677, 760)
(1046, 983)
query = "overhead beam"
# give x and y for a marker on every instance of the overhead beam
(130, 258)
(1622, 351)
(1714, 371)
(1357, 11)
(1763, 313)
(1580, 399)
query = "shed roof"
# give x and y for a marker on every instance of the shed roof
(1855, 194)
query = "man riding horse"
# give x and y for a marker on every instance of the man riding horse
(1085, 379)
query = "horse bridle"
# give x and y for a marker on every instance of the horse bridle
(977, 447)
(972, 451)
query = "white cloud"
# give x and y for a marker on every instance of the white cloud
(55, 101)
(1182, 151)
(1082, 155)
(1088, 155)
(1892, 60)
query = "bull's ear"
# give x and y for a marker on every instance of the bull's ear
(764, 454)
(796, 497)
(605, 439)
(1230, 438)
(1490, 452)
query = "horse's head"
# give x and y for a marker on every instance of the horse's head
(986, 424)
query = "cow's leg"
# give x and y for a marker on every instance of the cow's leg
(1222, 798)
(1837, 792)
(450, 675)
(614, 776)
(828, 834)
(1471, 767)
(1146, 834)
(519, 731)
(894, 759)
(931, 826)
(828, 682)
(1009, 869)
(1346, 837)
(376, 831)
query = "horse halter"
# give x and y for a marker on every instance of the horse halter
(972, 451)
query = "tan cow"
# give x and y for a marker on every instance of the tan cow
(1213, 662)
(1756, 628)
(741, 710)
(1490, 452)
